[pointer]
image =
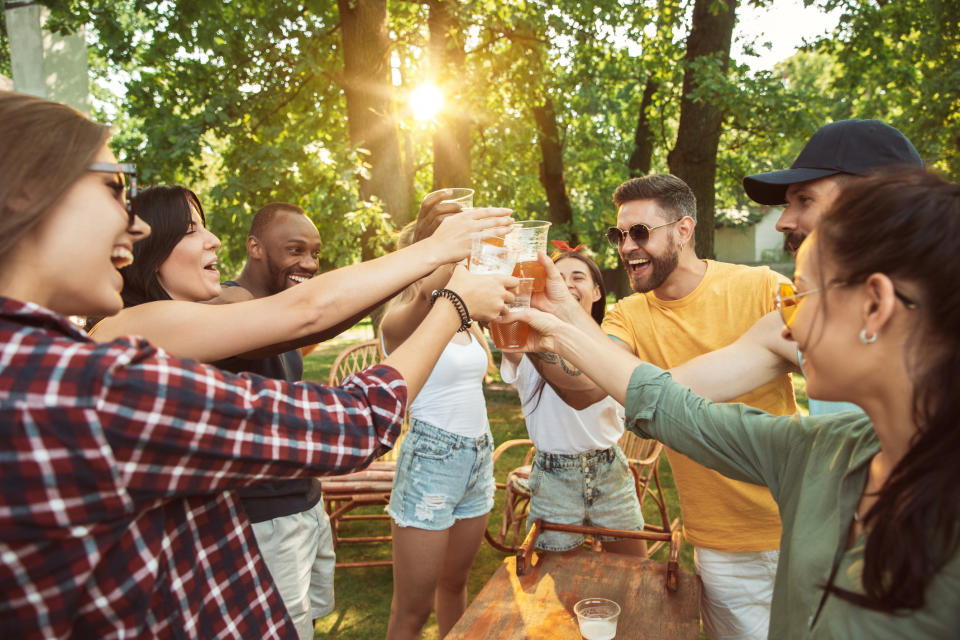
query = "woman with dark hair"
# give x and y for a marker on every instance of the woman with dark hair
(870, 503)
(579, 474)
(169, 210)
(118, 510)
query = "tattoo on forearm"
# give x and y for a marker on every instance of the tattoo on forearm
(554, 358)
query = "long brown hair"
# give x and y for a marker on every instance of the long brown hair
(47, 147)
(907, 225)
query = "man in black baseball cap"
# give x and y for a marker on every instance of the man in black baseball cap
(835, 152)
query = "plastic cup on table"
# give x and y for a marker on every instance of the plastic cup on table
(597, 618)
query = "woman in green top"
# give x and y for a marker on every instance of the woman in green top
(870, 503)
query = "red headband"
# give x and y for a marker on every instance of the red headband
(563, 246)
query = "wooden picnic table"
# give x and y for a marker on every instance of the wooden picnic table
(540, 604)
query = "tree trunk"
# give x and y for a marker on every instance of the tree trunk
(451, 140)
(370, 110)
(551, 167)
(642, 156)
(694, 158)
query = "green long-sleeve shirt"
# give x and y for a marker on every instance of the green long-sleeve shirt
(816, 468)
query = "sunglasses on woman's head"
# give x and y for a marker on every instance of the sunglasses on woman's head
(127, 194)
(639, 233)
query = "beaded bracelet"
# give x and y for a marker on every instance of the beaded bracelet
(458, 304)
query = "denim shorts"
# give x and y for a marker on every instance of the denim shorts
(594, 488)
(441, 477)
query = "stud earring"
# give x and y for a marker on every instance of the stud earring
(865, 339)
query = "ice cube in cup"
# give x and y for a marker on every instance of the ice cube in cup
(489, 258)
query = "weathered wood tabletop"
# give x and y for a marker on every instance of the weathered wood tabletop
(540, 604)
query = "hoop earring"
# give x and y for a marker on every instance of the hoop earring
(868, 340)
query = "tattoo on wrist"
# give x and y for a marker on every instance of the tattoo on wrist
(554, 358)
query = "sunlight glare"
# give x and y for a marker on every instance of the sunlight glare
(425, 101)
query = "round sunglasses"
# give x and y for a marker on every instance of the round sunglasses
(639, 233)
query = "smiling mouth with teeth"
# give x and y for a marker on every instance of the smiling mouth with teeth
(121, 257)
(298, 279)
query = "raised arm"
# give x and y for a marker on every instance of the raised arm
(209, 430)
(485, 297)
(407, 311)
(757, 357)
(213, 332)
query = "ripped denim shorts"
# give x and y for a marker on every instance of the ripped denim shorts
(441, 477)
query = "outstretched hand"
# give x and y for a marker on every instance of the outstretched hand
(455, 234)
(555, 298)
(544, 329)
(432, 212)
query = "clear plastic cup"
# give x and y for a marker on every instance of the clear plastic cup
(529, 237)
(459, 195)
(490, 258)
(509, 333)
(597, 618)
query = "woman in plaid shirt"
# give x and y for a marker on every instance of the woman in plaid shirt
(118, 517)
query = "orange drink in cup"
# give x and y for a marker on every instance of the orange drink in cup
(529, 237)
(509, 333)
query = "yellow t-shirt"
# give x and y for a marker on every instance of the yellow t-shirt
(718, 513)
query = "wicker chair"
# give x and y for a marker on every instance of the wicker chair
(345, 493)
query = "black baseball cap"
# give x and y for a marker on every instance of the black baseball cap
(847, 146)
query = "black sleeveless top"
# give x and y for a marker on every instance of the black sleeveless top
(274, 498)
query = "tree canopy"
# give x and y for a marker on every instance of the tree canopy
(549, 105)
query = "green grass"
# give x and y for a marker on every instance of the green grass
(363, 595)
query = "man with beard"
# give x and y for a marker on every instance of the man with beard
(289, 522)
(837, 152)
(684, 307)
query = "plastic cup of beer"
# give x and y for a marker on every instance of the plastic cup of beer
(490, 258)
(529, 237)
(458, 195)
(597, 618)
(512, 334)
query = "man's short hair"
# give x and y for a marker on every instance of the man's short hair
(671, 194)
(265, 215)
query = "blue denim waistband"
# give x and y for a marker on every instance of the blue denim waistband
(453, 439)
(548, 461)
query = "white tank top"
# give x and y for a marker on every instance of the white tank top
(553, 425)
(452, 398)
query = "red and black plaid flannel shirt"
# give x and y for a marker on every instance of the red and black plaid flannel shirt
(117, 515)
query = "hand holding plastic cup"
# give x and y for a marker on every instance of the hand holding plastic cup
(512, 334)
(528, 237)
(458, 195)
(597, 618)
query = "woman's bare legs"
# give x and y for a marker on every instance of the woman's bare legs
(462, 546)
(428, 566)
(417, 565)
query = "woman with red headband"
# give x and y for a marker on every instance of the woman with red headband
(579, 475)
